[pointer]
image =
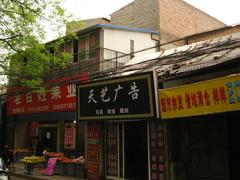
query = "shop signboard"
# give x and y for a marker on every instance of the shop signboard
(118, 98)
(70, 136)
(93, 150)
(33, 129)
(58, 98)
(112, 160)
(156, 143)
(50, 166)
(208, 97)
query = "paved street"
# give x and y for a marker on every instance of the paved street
(16, 178)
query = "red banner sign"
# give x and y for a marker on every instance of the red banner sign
(93, 151)
(70, 134)
(56, 99)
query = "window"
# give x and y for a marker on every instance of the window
(82, 48)
(131, 49)
(88, 46)
(68, 47)
(75, 51)
(92, 46)
(157, 45)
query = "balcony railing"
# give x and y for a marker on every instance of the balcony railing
(93, 61)
(113, 59)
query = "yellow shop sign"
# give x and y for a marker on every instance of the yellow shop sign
(207, 97)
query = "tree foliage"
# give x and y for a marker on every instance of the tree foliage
(24, 57)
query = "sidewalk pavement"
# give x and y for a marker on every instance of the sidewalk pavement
(17, 170)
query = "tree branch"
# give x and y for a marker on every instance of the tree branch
(22, 5)
(12, 37)
(7, 11)
(10, 45)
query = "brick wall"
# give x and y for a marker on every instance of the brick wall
(213, 34)
(139, 13)
(174, 18)
(179, 19)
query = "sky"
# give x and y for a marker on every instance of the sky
(226, 11)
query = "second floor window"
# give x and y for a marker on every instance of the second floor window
(75, 51)
(82, 48)
(88, 46)
(132, 48)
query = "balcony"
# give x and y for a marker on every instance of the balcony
(92, 62)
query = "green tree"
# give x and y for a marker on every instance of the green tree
(24, 57)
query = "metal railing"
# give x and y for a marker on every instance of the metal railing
(91, 61)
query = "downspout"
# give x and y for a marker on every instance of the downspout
(156, 38)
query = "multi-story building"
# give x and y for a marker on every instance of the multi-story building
(129, 147)
(52, 116)
(174, 19)
(195, 136)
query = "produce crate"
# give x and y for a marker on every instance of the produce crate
(71, 169)
(80, 171)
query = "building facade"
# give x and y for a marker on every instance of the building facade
(198, 101)
(174, 19)
(195, 135)
(52, 116)
(133, 141)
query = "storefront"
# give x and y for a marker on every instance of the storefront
(140, 150)
(47, 117)
(125, 139)
(202, 128)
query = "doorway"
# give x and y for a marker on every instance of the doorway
(48, 138)
(234, 144)
(136, 150)
(198, 148)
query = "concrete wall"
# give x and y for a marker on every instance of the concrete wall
(120, 41)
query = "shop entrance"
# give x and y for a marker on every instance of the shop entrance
(136, 151)
(127, 151)
(198, 148)
(48, 138)
(234, 144)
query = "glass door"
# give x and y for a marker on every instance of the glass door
(113, 152)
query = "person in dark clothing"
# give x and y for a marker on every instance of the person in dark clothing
(7, 155)
(39, 148)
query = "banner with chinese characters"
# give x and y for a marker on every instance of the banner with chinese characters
(112, 160)
(118, 98)
(93, 150)
(157, 155)
(213, 96)
(70, 136)
(56, 99)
